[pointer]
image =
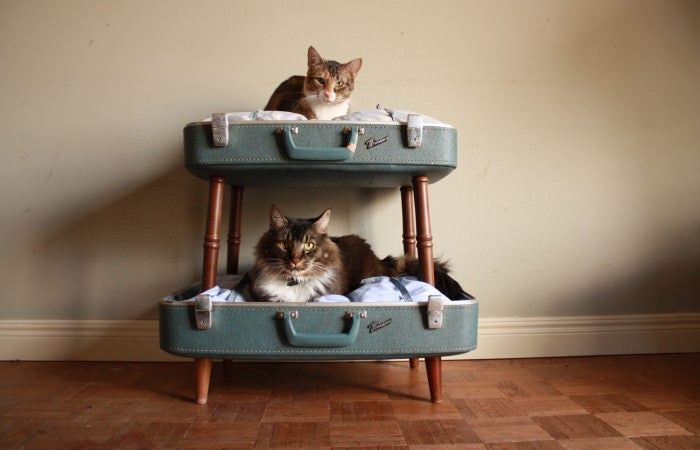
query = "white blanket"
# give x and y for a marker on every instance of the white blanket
(378, 114)
(374, 290)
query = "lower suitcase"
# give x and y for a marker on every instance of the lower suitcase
(317, 331)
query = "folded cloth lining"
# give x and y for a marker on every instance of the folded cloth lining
(372, 290)
(365, 115)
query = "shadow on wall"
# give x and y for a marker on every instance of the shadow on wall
(118, 261)
(642, 98)
(667, 284)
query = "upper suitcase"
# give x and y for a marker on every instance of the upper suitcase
(376, 149)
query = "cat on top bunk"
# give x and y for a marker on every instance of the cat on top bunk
(323, 94)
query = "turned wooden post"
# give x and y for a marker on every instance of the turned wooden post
(433, 365)
(212, 235)
(425, 237)
(212, 238)
(234, 230)
(408, 210)
(234, 245)
(408, 213)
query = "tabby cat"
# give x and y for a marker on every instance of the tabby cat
(324, 93)
(296, 261)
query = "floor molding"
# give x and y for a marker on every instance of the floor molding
(509, 337)
(530, 337)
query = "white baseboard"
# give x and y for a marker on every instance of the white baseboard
(510, 337)
(532, 337)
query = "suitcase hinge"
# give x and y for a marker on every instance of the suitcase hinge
(435, 308)
(414, 130)
(219, 129)
(203, 312)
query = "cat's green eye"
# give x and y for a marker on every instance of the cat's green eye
(321, 81)
(281, 245)
(339, 84)
(309, 246)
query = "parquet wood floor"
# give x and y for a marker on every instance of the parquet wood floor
(625, 402)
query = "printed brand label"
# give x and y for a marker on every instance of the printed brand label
(374, 141)
(377, 325)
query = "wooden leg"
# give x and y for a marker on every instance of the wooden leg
(408, 213)
(212, 236)
(210, 267)
(203, 373)
(234, 230)
(425, 237)
(408, 210)
(234, 246)
(433, 364)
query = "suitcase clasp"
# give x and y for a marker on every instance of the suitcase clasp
(203, 312)
(219, 129)
(435, 309)
(414, 130)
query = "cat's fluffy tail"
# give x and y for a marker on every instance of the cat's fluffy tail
(443, 281)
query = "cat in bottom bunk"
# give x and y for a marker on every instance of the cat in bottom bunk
(296, 261)
(324, 93)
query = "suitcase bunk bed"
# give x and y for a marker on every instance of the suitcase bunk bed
(380, 148)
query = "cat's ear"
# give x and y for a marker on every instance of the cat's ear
(321, 223)
(277, 219)
(353, 66)
(314, 57)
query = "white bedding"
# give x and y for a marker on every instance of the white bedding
(374, 290)
(381, 115)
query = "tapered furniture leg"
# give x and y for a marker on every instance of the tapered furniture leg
(408, 213)
(212, 238)
(433, 365)
(203, 374)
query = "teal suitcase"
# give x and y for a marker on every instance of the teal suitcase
(312, 331)
(361, 153)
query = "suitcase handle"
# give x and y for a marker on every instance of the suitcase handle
(298, 339)
(319, 153)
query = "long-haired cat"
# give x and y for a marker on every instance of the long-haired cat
(324, 93)
(296, 261)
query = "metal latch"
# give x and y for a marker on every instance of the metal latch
(435, 307)
(414, 130)
(203, 312)
(219, 129)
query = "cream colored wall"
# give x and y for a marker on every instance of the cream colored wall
(579, 127)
